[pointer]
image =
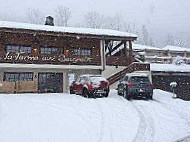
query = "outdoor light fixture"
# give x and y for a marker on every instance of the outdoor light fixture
(78, 37)
(35, 51)
(67, 52)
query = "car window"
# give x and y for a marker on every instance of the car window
(125, 78)
(82, 79)
(136, 79)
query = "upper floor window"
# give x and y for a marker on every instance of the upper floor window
(83, 52)
(50, 50)
(17, 48)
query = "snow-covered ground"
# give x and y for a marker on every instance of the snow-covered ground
(71, 118)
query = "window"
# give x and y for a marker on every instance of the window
(15, 76)
(136, 79)
(50, 50)
(83, 52)
(16, 48)
(125, 78)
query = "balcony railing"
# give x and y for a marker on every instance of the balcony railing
(118, 61)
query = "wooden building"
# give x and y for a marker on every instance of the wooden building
(39, 58)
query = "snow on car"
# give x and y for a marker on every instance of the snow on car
(90, 86)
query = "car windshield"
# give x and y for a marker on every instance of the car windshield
(136, 79)
(97, 79)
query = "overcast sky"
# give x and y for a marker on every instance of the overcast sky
(160, 16)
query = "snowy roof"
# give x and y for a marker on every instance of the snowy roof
(135, 47)
(169, 67)
(142, 47)
(175, 48)
(71, 30)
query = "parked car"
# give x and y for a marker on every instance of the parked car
(90, 86)
(135, 85)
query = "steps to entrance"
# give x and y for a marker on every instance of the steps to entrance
(111, 70)
(131, 68)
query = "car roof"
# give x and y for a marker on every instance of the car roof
(136, 74)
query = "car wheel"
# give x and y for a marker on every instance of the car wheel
(126, 94)
(150, 96)
(85, 93)
(71, 91)
(119, 93)
(107, 93)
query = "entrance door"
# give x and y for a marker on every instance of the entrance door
(50, 82)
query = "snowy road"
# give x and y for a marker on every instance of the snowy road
(71, 118)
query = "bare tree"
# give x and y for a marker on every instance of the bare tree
(93, 20)
(11, 17)
(169, 39)
(63, 15)
(130, 27)
(35, 16)
(115, 23)
(145, 36)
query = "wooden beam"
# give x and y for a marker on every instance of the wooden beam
(130, 50)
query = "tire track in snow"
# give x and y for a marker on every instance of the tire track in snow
(145, 132)
(185, 139)
(146, 128)
(104, 121)
(176, 110)
(180, 114)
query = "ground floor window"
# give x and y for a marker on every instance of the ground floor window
(50, 82)
(17, 76)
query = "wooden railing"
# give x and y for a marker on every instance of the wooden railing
(131, 68)
(118, 61)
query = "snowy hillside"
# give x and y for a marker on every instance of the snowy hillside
(71, 118)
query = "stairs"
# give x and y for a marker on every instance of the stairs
(135, 66)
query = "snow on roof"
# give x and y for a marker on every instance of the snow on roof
(143, 47)
(169, 67)
(175, 48)
(135, 47)
(72, 30)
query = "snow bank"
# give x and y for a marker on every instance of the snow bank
(71, 118)
(175, 48)
(170, 67)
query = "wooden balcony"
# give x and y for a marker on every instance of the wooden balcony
(118, 60)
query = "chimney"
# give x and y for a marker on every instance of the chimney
(49, 21)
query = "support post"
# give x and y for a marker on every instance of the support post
(125, 49)
(130, 51)
(65, 82)
(102, 52)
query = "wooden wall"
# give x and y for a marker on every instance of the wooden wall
(37, 40)
(183, 88)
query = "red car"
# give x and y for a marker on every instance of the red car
(90, 86)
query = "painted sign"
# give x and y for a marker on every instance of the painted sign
(44, 58)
